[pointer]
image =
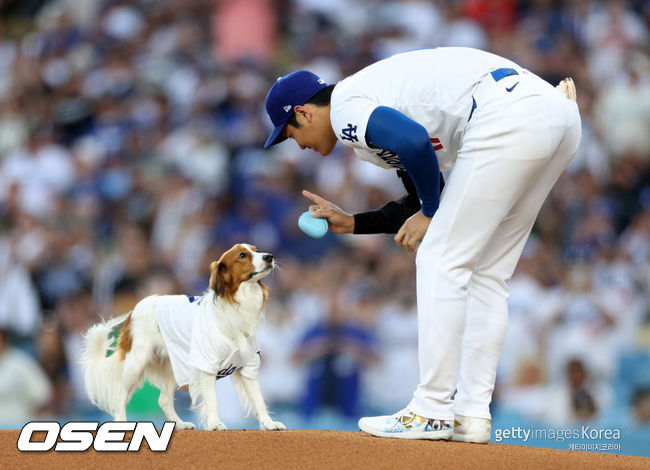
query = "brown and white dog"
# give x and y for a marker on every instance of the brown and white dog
(178, 340)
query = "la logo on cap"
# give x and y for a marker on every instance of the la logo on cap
(287, 108)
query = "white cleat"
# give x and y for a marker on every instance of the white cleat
(477, 430)
(407, 425)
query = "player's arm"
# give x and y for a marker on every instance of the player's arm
(391, 130)
(387, 219)
(390, 217)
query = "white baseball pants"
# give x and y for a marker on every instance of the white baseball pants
(514, 149)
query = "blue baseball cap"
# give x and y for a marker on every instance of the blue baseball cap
(289, 91)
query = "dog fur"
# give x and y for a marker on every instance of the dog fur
(237, 297)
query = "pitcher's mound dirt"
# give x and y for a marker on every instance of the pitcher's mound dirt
(303, 449)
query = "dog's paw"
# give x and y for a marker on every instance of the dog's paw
(216, 426)
(184, 425)
(272, 426)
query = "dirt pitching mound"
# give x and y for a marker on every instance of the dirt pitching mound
(308, 449)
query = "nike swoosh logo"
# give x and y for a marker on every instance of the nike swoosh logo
(512, 87)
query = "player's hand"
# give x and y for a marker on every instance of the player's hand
(338, 221)
(412, 231)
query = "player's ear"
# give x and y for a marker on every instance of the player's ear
(302, 112)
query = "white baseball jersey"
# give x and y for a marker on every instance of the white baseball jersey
(431, 86)
(194, 340)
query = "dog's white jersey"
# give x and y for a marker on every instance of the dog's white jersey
(194, 340)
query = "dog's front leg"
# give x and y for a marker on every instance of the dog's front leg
(251, 388)
(209, 408)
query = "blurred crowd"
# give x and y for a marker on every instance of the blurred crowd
(131, 156)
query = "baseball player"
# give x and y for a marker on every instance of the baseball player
(502, 136)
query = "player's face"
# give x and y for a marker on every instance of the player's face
(314, 131)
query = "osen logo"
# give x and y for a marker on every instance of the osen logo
(77, 436)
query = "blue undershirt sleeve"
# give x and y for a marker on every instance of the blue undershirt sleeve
(391, 130)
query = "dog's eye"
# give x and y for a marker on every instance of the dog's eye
(243, 254)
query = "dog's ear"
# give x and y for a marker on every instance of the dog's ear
(219, 277)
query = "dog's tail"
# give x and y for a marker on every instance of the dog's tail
(102, 372)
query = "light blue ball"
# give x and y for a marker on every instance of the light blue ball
(316, 228)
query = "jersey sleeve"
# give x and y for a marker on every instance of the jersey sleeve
(349, 116)
(390, 129)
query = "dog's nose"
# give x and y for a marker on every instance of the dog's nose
(268, 257)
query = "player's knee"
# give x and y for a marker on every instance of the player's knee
(493, 283)
(450, 284)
